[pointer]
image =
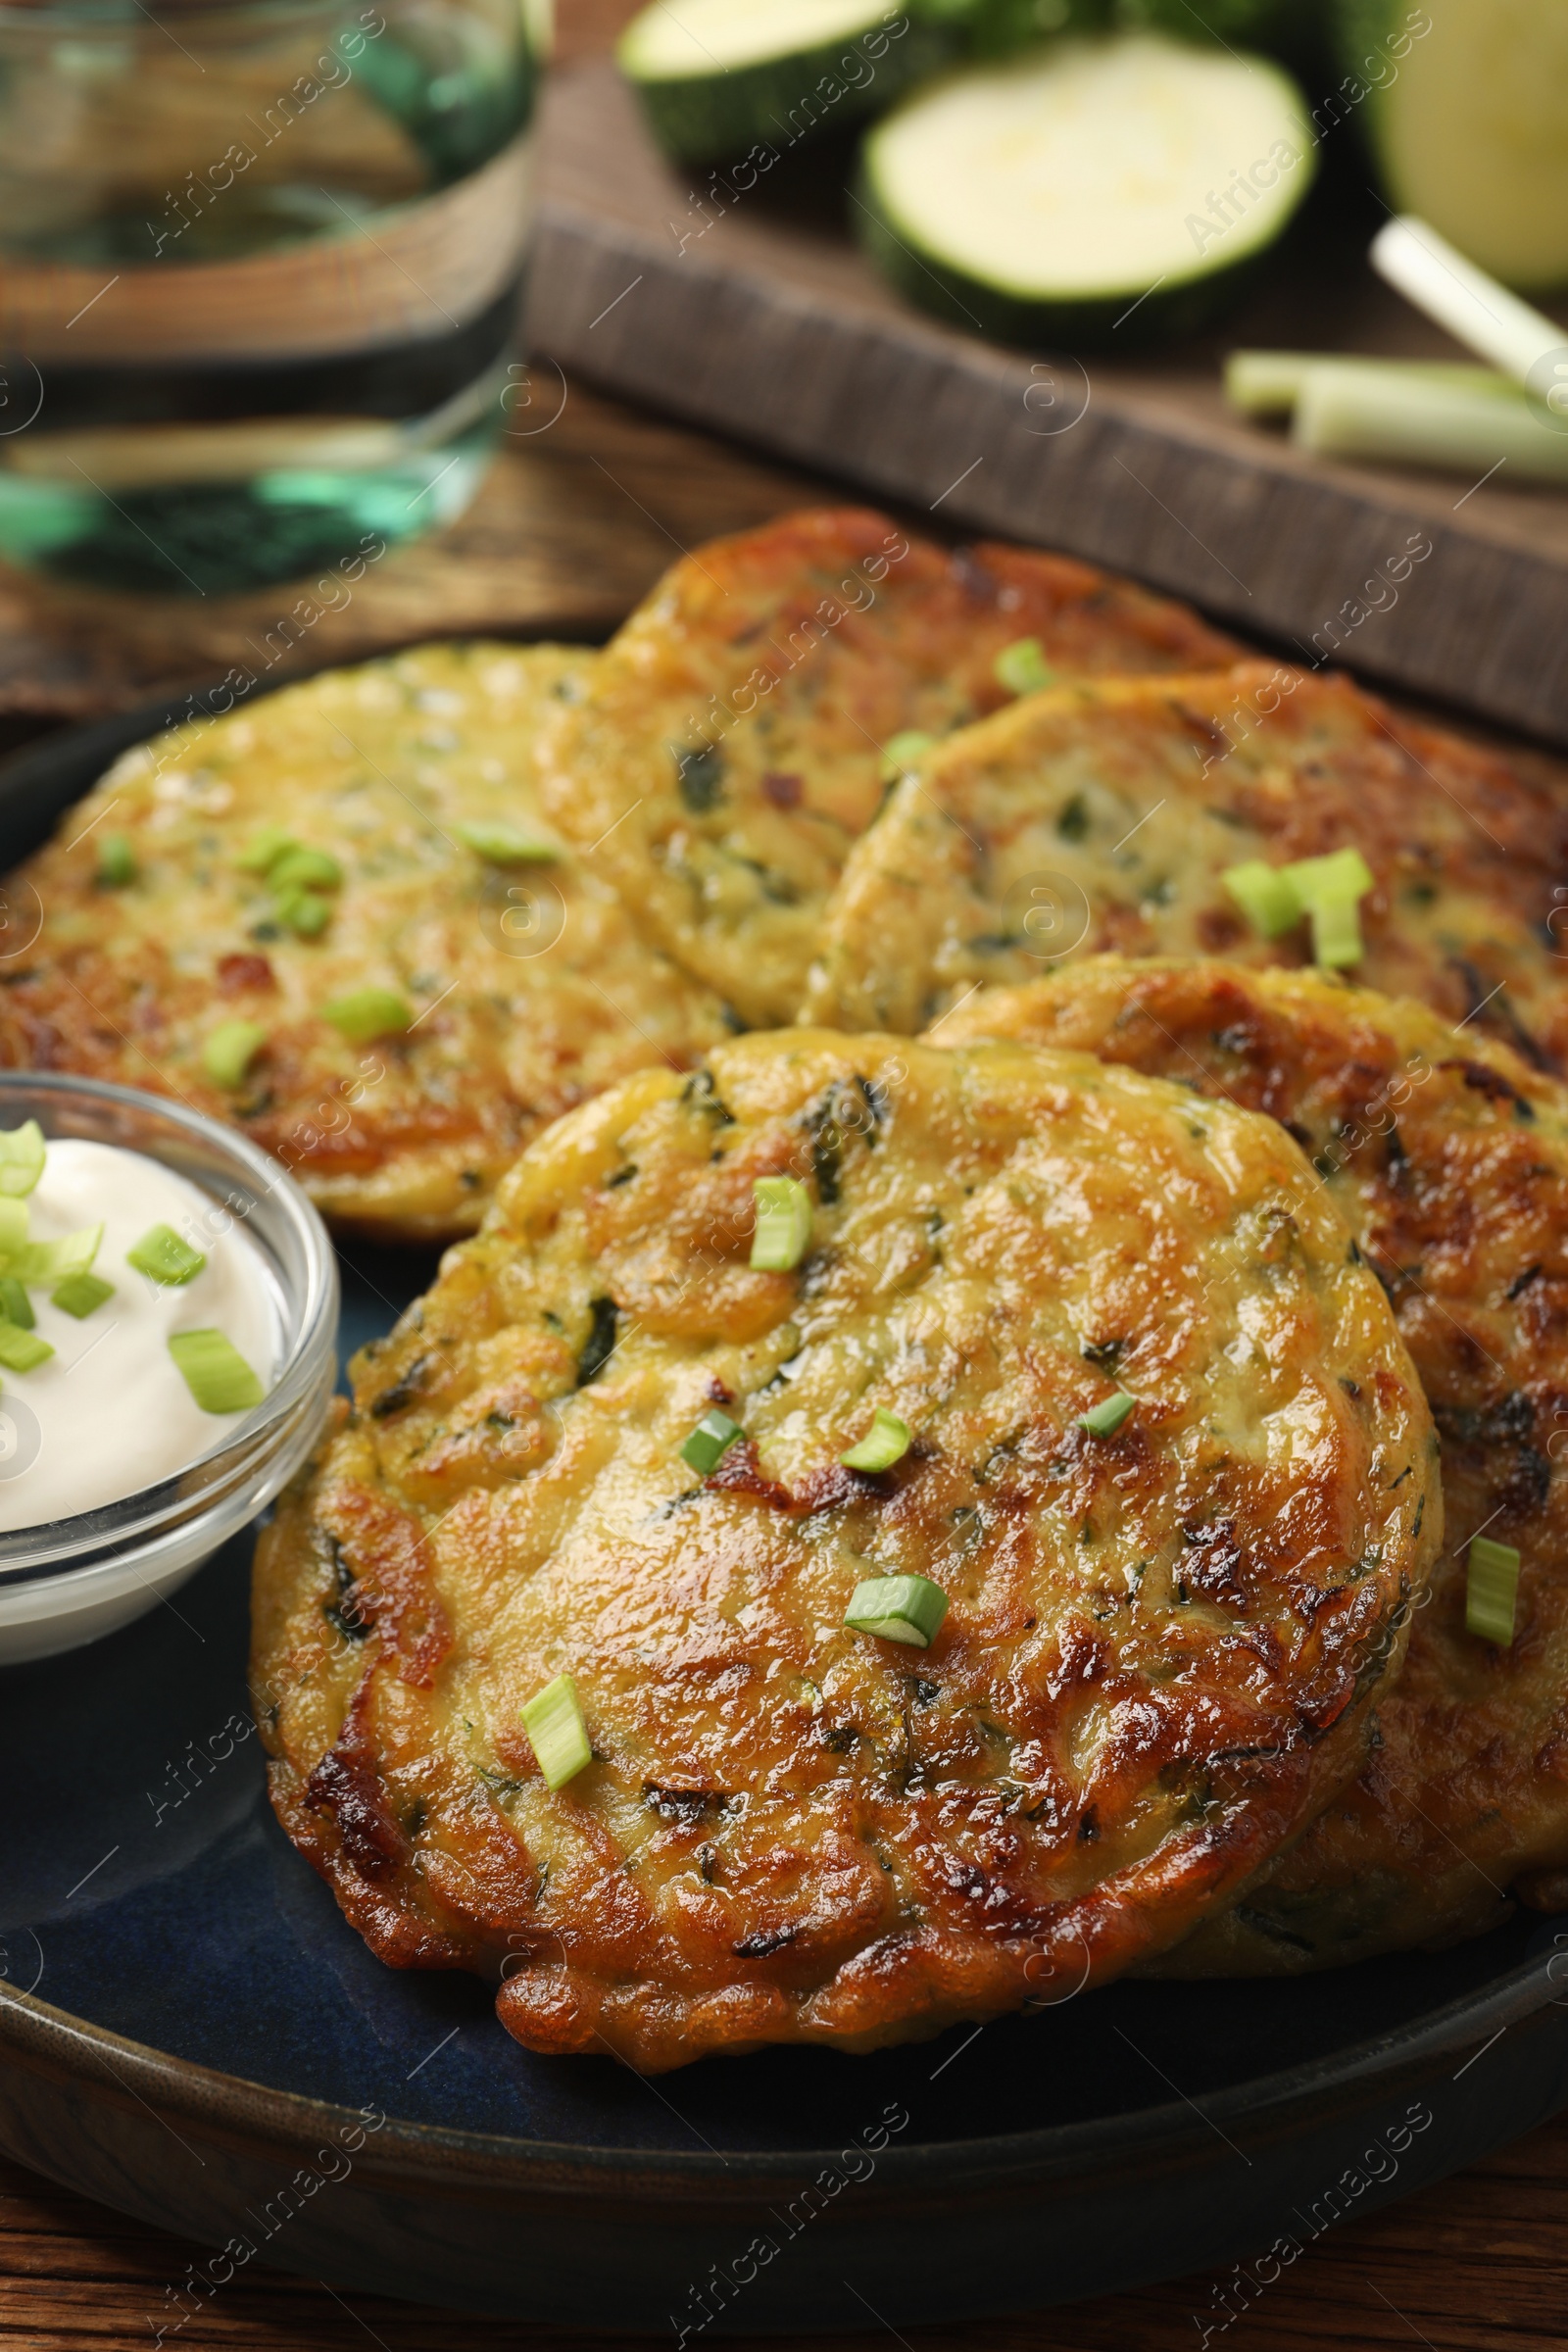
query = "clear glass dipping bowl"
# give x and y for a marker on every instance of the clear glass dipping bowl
(74, 1580)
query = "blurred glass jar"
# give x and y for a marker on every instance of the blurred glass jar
(260, 267)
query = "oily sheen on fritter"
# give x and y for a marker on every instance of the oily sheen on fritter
(732, 750)
(1102, 818)
(526, 985)
(1159, 1645)
(1448, 1157)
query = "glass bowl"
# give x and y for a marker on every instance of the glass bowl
(74, 1580)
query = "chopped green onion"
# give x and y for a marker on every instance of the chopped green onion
(22, 1150)
(368, 1013)
(214, 1372)
(1266, 896)
(1351, 410)
(782, 1234)
(713, 1436)
(303, 868)
(1342, 874)
(165, 1258)
(553, 1721)
(1274, 897)
(1460, 296)
(49, 1263)
(12, 1228)
(885, 1443)
(305, 913)
(1022, 667)
(1265, 383)
(22, 1350)
(117, 860)
(903, 752)
(15, 1304)
(1102, 1420)
(265, 850)
(229, 1051)
(899, 1608)
(1269, 384)
(506, 845)
(1491, 1588)
(1337, 934)
(81, 1295)
(1329, 888)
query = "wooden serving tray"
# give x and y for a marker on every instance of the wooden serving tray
(753, 313)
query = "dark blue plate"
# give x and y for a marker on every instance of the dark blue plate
(191, 2031)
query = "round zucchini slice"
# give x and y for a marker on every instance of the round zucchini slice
(996, 27)
(1104, 192)
(1468, 121)
(718, 77)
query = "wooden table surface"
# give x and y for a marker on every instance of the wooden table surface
(1477, 2264)
(578, 520)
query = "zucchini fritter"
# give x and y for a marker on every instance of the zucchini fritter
(526, 984)
(731, 749)
(1102, 818)
(1159, 1643)
(1448, 1158)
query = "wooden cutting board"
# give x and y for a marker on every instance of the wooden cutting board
(753, 313)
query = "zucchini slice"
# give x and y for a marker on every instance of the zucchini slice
(1468, 123)
(1283, 27)
(718, 77)
(1108, 192)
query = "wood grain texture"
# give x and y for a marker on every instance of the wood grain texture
(1477, 2264)
(751, 311)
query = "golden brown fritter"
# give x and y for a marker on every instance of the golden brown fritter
(527, 986)
(731, 749)
(1448, 1158)
(1102, 818)
(1159, 1644)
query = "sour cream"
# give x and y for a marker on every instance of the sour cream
(110, 1413)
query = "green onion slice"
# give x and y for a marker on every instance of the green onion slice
(1329, 888)
(1102, 1420)
(117, 860)
(305, 913)
(369, 1012)
(229, 1051)
(81, 1295)
(22, 1350)
(49, 1263)
(709, 1441)
(214, 1372)
(782, 1234)
(15, 1304)
(508, 844)
(1492, 1588)
(265, 849)
(903, 752)
(885, 1443)
(163, 1256)
(1265, 894)
(12, 1228)
(899, 1608)
(553, 1721)
(21, 1153)
(305, 870)
(1022, 667)
(1337, 934)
